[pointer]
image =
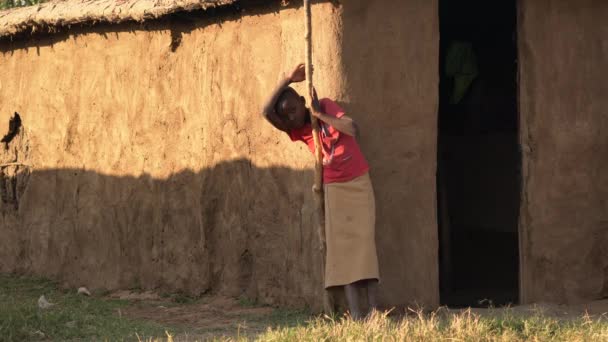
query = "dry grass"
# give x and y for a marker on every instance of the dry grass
(464, 326)
(51, 15)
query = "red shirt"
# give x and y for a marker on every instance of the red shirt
(342, 158)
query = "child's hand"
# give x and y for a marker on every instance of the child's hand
(316, 106)
(298, 74)
(316, 189)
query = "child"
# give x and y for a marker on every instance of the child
(349, 198)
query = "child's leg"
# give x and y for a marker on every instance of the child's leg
(352, 297)
(372, 294)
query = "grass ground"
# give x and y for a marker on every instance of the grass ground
(72, 317)
(178, 318)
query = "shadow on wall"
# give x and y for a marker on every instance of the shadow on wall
(233, 229)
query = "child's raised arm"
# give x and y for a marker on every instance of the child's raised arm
(269, 112)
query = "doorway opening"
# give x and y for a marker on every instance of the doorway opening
(479, 162)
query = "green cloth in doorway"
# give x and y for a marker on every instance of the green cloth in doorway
(461, 65)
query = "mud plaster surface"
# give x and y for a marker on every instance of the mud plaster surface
(151, 164)
(390, 54)
(563, 108)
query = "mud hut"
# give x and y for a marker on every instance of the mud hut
(141, 159)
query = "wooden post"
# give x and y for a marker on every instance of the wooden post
(315, 122)
(318, 180)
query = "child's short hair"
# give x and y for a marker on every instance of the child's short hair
(283, 97)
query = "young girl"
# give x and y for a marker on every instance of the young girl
(349, 197)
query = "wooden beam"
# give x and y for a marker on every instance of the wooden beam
(328, 306)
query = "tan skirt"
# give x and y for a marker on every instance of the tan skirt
(350, 215)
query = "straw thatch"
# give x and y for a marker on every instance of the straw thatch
(62, 13)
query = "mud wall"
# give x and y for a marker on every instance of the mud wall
(147, 163)
(563, 56)
(390, 56)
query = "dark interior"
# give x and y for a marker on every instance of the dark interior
(478, 153)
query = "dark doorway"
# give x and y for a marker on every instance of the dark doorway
(478, 153)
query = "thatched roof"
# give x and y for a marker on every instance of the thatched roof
(62, 13)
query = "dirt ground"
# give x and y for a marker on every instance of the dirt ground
(207, 317)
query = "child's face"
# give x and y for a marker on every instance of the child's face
(293, 110)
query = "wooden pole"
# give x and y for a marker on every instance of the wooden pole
(318, 180)
(315, 123)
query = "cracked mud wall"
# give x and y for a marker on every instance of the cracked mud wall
(563, 56)
(150, 163)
